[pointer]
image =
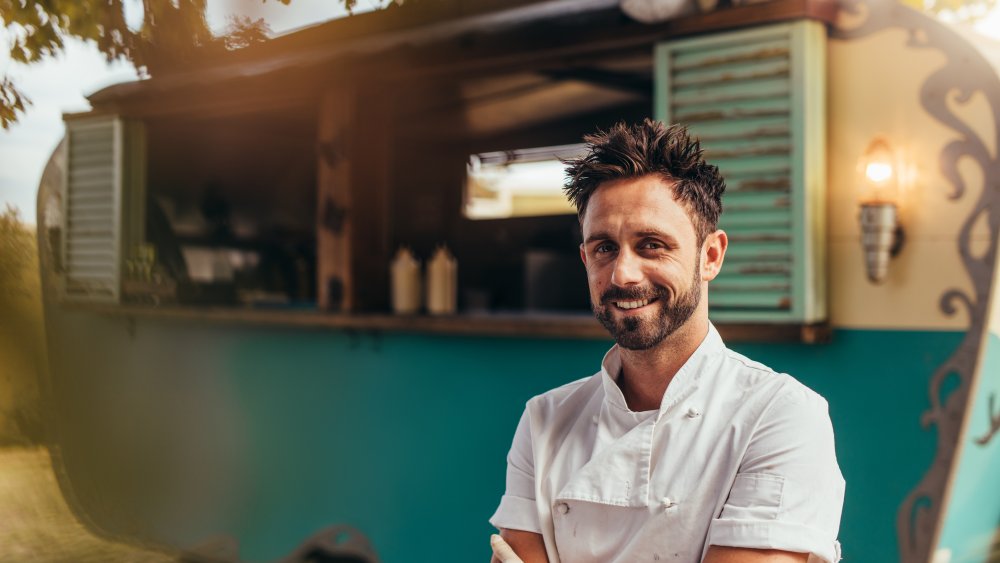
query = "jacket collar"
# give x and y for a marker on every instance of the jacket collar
(618, 472)
(680, 386)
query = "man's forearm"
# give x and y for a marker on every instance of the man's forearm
(524, 547)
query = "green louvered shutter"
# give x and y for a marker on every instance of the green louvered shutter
(756, 99)
(103, 198)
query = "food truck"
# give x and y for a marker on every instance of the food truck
(227, 373)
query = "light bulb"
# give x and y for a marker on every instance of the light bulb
(878, 172)
(880, 182)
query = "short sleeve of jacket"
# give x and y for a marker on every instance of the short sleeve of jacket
(517, 510)
(788, 493)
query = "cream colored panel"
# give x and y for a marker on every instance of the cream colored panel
(874, 90)
(900, 302)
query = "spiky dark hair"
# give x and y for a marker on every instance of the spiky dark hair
(650, 147)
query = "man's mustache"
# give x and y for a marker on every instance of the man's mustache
(633, 294)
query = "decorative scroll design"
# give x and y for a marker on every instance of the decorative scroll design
(965, 73)
(994, 417)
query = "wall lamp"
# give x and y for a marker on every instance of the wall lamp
(881, 233)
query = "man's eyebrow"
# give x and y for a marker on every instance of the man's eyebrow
(657, 234)
(597, 236)
(644, 233)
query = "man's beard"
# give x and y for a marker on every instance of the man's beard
(638, 333)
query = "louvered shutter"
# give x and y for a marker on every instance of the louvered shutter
(756, 100)
(104, 179)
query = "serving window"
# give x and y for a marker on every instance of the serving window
(518, 183)
(230, 209)
(190, 210)
(480, 169)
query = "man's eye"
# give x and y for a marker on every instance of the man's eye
(604, 247)
(651, 245)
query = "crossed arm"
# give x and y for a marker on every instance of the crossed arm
(518, 546)
(530, 548)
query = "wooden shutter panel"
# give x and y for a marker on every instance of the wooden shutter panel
(756, 100)
(104, 156)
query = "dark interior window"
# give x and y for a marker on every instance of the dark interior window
(230, 208)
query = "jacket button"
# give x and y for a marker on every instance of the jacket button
(562, 507)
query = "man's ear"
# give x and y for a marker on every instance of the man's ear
(583, 254)
(713, 254)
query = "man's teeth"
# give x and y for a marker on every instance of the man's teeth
(632, 304)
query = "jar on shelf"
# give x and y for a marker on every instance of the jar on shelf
(406, 283)
(442, 283)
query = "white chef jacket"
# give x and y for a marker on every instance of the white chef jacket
(737, 455)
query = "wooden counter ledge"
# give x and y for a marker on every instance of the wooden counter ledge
(522, 325)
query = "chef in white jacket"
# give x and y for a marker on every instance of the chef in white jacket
(678, 449)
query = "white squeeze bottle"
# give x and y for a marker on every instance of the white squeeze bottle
(405, 273)
(442, 282)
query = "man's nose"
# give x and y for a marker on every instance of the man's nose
(628, 269)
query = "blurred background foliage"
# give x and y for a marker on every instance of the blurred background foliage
(172, 34)
(21, 332)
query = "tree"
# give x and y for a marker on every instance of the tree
(173, 33)
(21, 347)
(17, 254)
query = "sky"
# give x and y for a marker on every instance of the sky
(59, 85)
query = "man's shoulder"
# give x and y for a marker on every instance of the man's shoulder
(763, 380)
(571, 395)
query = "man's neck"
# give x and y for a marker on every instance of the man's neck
(646, 374)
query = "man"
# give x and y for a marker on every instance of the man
(679, 449)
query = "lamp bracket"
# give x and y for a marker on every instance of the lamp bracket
(898, 238)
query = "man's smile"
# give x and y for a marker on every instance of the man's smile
(634, 304)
